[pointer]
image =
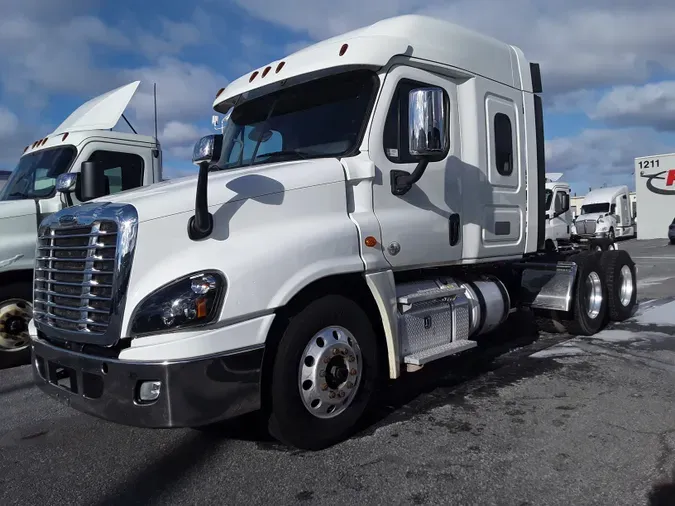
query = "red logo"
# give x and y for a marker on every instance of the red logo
(668, 178)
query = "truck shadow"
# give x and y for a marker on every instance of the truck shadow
(442, 382)
(663, 494)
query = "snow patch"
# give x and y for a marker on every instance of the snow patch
(559, 351)
(659, 315)
(617, 336)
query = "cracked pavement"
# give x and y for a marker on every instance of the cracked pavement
(525, 419)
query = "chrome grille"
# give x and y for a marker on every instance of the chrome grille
(74, 276)
(586, 227)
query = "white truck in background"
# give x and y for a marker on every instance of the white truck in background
(560, 220)
(374, 203)
(605, 213)
(63, 160)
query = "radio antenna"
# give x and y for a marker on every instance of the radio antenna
(154, 94)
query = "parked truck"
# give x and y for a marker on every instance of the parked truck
(63, 159)
(605, 212)
(560, 221)
(374, 203)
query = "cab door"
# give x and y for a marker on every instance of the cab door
(125, 166)
(423, 226)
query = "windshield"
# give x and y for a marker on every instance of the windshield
(595, 208)
(549, 199)
(35, 175)
(321, 118)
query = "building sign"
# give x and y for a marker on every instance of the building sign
(661, 183)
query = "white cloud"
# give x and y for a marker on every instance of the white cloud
(598, 156)
(174, 37)
(54, 57)
(185, 91)
(580, 44)
(649, 105)
(8, 122)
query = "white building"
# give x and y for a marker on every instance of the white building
(655, 185)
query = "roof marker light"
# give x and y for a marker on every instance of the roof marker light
(253, 76)
(64, 137)
(343, 49)
(280, 66)
(219, 92)
(25, 149)
(266, 71)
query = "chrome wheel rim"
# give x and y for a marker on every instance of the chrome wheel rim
(330, 371)
(15, 314)
(593, 295)
(626, 284)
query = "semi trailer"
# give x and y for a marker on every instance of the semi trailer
(83, 142)
(374, 203)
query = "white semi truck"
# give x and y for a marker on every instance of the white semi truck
(560, 221)
(375, 202)
(605, 212)
(82, 143)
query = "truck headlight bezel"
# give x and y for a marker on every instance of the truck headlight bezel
(189, 302)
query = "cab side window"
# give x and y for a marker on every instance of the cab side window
(123, 170)
(395, 140)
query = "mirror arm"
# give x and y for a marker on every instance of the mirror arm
(402, 181)
(200, 225)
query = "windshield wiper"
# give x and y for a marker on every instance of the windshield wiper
(287, 152)
(18, 194)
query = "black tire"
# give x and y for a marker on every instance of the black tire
(611, 236)
(612, 264)
(577, 321)
(15, 290)
(289, 420)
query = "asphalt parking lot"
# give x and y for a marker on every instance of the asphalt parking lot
(537, 419)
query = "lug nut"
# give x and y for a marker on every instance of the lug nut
(326, 360)
(335, 351)
(351, 358)
(342, 394)
(350, 384)
(322, 374)
(353, 372)
(324, 386)
(345, 351)
(331, 395)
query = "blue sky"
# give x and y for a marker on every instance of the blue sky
(609, 82)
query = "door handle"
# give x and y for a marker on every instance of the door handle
(454, 228)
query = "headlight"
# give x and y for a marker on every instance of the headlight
(187, 302)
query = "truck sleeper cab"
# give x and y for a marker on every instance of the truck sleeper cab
(345, 228)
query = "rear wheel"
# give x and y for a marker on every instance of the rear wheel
(324, 374)
(619, 273)
(16, 311)
(589, 300)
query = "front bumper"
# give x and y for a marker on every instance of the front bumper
(193, 392)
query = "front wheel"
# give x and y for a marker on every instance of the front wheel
(324, 374)
(611, 236)
(16, 311)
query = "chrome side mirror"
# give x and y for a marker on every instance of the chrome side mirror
(66, 183)
(207, 149)
(427, 122)
(427, 135)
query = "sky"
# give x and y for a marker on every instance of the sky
(608, 67)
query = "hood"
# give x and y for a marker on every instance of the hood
(178, 195)
(591, 216)
(17, 208)
(18, 232)
(99, 113)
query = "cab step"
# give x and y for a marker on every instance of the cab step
(444, 350)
